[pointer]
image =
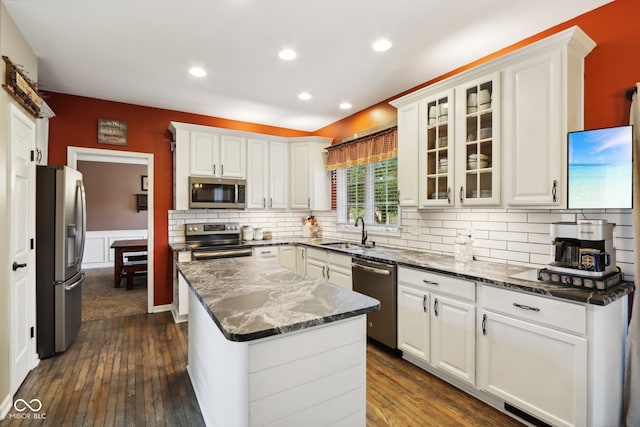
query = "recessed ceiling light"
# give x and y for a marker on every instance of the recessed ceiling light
(345, 105)
(381, 45)
(287, 54)
(305, 96)
(197, 72)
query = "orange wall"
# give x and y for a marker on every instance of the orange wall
(76, 124)
(611, 68)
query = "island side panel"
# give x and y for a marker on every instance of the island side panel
(218, 370)
(315, 374)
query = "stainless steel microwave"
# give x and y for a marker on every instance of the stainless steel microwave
(216, 193)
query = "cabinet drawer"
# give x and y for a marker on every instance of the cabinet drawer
(440, 283)
(266, 252)
(545, 311)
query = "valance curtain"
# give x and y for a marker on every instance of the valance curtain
(370, 149)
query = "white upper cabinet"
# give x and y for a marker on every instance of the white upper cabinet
(408, 146)
(218, 155)
(267, 174)
(495, 134)
(310, 184)
(544, 99)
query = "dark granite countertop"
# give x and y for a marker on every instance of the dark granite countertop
(250, 298)
(488, 273)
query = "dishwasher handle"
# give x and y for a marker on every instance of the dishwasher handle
(373, 270)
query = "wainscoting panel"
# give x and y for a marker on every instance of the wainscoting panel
(97, 248)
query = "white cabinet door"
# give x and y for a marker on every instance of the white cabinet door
(539, 370)
(204, 149)
(301, 259)
(453, 341)
(257, 173)
(408, 146)
(300, 196)
(310, 184)
(278, 175)
(233, 156)
(288, 256)
(413, 321)
(535, 128)
(316, 263)
(339, 270)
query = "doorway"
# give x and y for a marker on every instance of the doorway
(75, 154)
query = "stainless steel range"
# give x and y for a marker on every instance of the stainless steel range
(215, 240)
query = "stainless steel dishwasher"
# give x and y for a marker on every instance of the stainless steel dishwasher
(378, 280)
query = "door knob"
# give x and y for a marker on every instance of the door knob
(17, 266)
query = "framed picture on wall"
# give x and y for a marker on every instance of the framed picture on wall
(144, 183)
(113, 132)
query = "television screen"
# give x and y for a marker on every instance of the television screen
(600, 171)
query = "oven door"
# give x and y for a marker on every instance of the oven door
(215, 193)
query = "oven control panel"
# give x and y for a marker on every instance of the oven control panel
(211, 228)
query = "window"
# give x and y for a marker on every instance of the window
(369, 191)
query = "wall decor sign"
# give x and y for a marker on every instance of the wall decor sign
(113, 132)
(21, 88)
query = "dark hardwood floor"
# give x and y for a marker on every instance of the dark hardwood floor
(131, 371)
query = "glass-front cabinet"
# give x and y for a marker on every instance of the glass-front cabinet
(436, 150)
(478, 148)
(459, 145)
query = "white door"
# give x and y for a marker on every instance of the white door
(22, 223)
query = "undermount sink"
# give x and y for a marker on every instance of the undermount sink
(346, 245)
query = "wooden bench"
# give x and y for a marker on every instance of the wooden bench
(135, 262)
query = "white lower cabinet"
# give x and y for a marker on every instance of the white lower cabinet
(267, 252)
(329, 265)
(288, 256)
(436, 322)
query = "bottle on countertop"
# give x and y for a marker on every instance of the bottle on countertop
(463, 247)
(247, 232)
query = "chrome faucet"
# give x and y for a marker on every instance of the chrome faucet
(364, 233)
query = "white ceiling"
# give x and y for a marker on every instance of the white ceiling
(139, 51)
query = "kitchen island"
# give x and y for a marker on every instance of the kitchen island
(270, 346)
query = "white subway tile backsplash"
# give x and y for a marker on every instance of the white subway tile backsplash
(513, 236)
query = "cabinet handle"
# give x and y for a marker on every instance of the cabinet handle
(449, 195)
(554, 190)
(435, 307)
(270, 202)
(461, 194)
(328, 277)
(324, 267)
(16, 266)
(484, 324)
(264, 202)
(221, 170)
(525, 307)
(429, 282)
(214, 168)
(309, 203)
(424, 303)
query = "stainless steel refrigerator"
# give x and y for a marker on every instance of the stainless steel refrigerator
(60, 236)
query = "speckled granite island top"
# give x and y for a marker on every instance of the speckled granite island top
(250, 298)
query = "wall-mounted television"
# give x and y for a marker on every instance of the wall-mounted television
(600, 168)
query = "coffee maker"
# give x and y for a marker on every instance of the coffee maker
(583, 248)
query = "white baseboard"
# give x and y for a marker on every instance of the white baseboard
(179, 318)
(161, 308)
(5, 406)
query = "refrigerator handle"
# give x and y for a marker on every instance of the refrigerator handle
(83, 207)
(75, 284)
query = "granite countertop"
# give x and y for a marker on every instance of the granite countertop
(250, 298)
(489, 273)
